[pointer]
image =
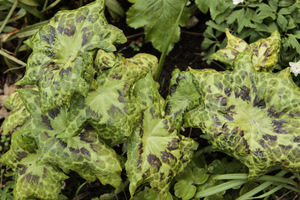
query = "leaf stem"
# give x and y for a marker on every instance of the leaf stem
(9, 15)
(166, 48)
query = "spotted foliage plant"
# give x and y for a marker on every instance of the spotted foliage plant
(248, 111)
(80, 100)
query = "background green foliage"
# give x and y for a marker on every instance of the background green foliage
(252, 20)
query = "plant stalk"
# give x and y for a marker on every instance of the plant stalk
(166, 48)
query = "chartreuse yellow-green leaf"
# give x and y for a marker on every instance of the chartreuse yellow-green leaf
(18, 115)
(183, 96)
(234, 46)
(61, 63)
(110, 108)
(155, 151)
(84, 153)
(38, 142)
(253, 116)
(32, 178)
(265, 51)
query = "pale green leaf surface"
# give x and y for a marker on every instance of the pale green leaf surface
(264, 58)
(111, 109)
(32, 179)
(234, 46)
(62, 60)
(266, 52)
(18, 115)
(182, 97)
(155, 152)
(253, 116)
(158, 17)
(85, 153)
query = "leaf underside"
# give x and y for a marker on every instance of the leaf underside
(253, 116)
(62, 60)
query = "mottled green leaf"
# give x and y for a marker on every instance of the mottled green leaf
(32, 179)
(111, 109)
(155, 152)
(234, 46)
(85, 153)
(159, 18)
(62, 60)
(18, 115)
(253, 116)
(182, 97)
(266, 51)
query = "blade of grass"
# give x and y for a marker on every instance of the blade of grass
(293, 189)
(28, 31)
(220, 188)
(79, 188)
(9, 15)
(51, 5)
(270, 192)
(16, 60)
(263, 178)
(32, 10)
(261, 187)
(45, 4)
(21, 13)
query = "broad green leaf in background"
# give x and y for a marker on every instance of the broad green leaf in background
(253, 116)
(265, 51)
(155, 152)
(203, 5)
(62, 60)
(18, 115)
(32, 179)
(158, 17)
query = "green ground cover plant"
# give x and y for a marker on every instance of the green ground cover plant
(80, 101)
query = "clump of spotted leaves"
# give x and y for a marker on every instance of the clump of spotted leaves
(71, 119)
(248, 112)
